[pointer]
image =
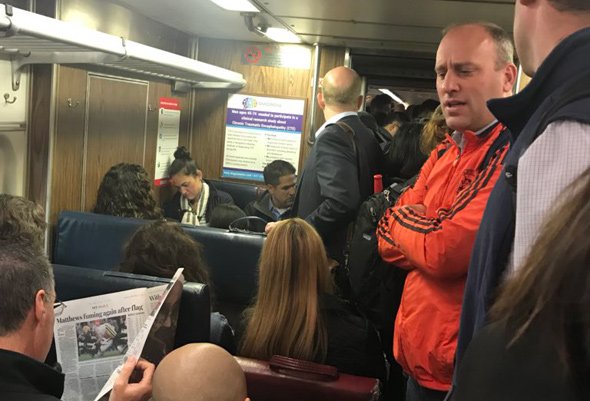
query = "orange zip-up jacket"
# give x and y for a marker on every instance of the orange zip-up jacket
(435, 246)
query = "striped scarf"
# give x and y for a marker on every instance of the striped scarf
(195, 213)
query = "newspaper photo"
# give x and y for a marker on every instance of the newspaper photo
(93, 335)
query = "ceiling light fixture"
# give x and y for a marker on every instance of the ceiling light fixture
(237, 5)
(257, 23)
(281, 35)
(394, 96)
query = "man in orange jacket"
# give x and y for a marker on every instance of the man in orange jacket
(431, 229)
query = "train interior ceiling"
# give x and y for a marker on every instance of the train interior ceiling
(391, 43)
(55, 145)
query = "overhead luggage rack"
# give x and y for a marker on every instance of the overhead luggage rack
(29, 38)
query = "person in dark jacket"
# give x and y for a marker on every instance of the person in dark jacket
(538, 344)
(27, 317)
(295, 313)
(553, 42)
(338, 174)
(275, 203)
(195, 199)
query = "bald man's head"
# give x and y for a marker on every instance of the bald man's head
(341, 86)
(199, 372)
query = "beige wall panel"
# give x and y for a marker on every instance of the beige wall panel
(116, 129)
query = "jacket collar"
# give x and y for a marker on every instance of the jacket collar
(467, 140)
(22, 374)
(567, 60)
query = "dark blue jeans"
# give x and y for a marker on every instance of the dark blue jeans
(415, 392)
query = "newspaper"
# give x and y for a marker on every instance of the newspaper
(95, 335)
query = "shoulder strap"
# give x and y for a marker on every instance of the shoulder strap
(350, 132)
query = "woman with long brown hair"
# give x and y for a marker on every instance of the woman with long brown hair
(158, 249)
(296, 314)
(538, 344)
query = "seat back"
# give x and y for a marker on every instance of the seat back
(242, 193)
(92, 240)
(194, 315)
(287, 379)
(233, 261)
(97, 241)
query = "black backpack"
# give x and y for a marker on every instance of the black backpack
(371, 279)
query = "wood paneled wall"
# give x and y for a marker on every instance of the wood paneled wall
(103, 117)
(101, 121)
(209, 117)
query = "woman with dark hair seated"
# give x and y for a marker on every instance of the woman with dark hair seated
(537, 346)
(126, 191)
(404, 159)
(195, 199)
(296, 314)
(161, 247)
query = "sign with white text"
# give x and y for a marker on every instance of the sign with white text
(168, 131)
(259, 130)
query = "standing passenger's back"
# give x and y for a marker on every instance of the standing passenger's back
(338, 174)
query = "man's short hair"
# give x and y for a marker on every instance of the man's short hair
(275, 170)
(21, 221)
(343, 96)
(504, 45)
(571, 5)
(24, 270)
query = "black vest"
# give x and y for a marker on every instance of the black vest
(560, 90)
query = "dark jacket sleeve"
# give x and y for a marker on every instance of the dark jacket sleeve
(258, 208)
(337, 176)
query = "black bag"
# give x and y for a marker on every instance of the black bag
(376, 286)
(371, 279)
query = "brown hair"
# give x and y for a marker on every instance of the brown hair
(183, 163)
(126, 191)
(285, 318)
(433, 132)
(504, 45)
(21, 221)
(552, 287)
(161, 247)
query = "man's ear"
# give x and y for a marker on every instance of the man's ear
(510, 73)
(270, 188)
(321, 101)
(359, 102)
(41, 304)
